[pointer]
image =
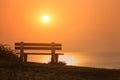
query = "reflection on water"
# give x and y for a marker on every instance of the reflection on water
(111, 65)
(100, 60)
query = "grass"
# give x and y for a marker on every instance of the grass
(37, 71)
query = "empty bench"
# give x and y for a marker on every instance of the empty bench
(21, 46)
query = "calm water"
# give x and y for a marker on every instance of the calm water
(99, 60)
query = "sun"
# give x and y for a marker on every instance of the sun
(45, 18)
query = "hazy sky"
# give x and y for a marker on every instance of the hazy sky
(80, 25)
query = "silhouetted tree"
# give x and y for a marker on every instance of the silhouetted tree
(7, 54)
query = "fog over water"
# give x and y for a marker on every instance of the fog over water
(99, 60)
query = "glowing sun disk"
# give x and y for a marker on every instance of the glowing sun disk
(45, 18)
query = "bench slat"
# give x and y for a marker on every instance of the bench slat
(41, 53)
(37, 44)
(39, 48)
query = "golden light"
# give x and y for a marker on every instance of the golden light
(45, 18)
(70, 60)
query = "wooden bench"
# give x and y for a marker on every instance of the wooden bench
(38, 46)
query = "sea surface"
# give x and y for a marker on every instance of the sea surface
(98, 60)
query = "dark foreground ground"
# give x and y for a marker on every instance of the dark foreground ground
(35, 71)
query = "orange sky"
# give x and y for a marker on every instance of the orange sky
(80, 25)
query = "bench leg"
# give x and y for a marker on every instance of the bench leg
(21, 58)
(25, 57)
(21, 51)
(52, 59)
(56, 58)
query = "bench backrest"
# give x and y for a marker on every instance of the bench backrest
(38, 46)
